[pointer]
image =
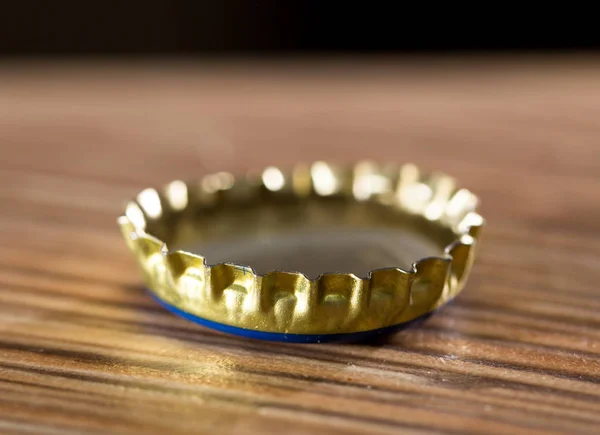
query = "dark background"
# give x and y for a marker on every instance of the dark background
(280, 27)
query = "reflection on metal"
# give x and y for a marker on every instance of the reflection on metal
(177, 194)
(273, 179)
(315, 195)
(150, 202)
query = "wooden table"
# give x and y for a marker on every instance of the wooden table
(84, 350)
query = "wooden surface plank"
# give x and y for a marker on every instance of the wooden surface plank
(84, 350)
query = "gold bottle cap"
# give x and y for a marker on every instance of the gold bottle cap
(287, 305)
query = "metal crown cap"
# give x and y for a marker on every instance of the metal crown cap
(285, 302)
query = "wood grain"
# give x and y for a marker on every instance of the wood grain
(84, 350)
